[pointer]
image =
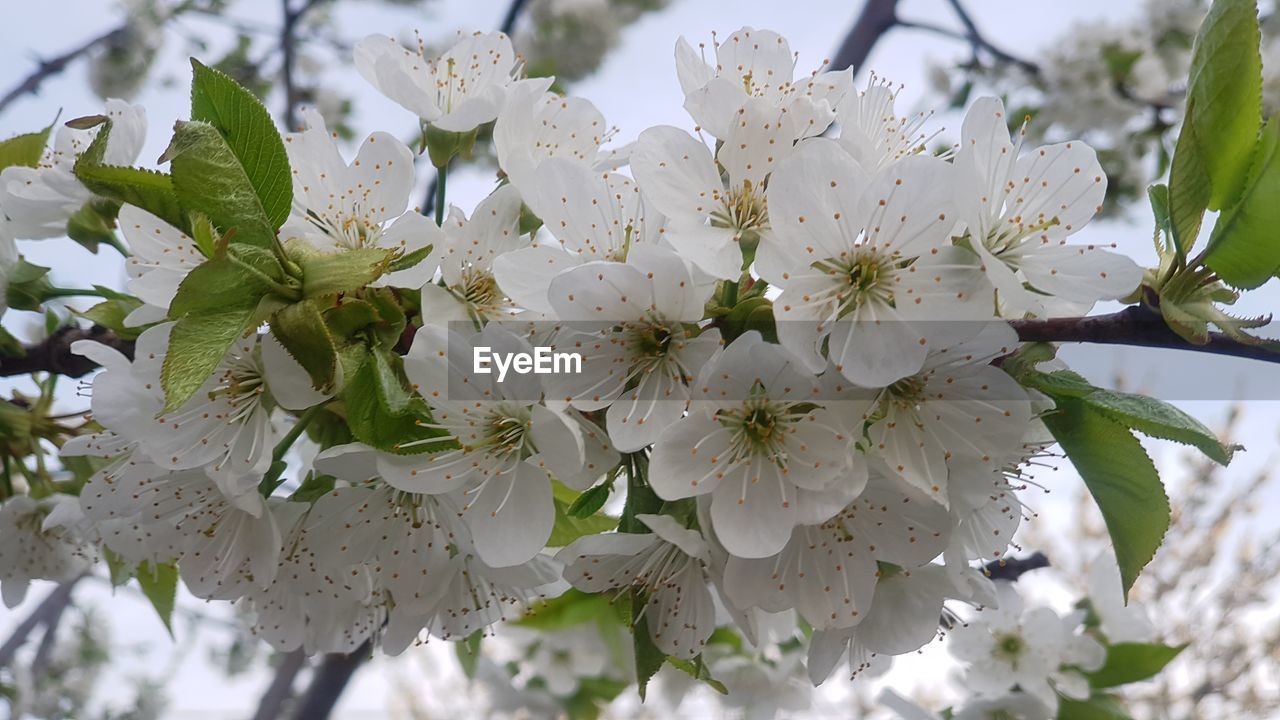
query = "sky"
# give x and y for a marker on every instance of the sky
(635, 89)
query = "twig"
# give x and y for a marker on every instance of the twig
(55, 65)
(288, 48)
(1139, 326)
(1013, 568)
(52, 606)
(978, 41)
(329, 681)
(54, 355)
(281, 687)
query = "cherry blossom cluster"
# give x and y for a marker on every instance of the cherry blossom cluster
(848, 454)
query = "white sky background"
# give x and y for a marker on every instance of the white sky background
(635, 89)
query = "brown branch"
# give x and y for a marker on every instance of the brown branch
(45, 613)
(54, 355)
(46, 69)
(1139, 326)
(281, 687)
(289, 50)
(330, 679)
(877, 18)
(978, 41)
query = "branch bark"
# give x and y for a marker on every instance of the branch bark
(1139, 326)
(330, 679)
(877, 18)
(281, 687)
(289, 51)
(45, 614)
(54, 355)
(46, 69)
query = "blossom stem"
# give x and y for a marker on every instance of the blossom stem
(57, 292)
(272, 479)
(441, 176)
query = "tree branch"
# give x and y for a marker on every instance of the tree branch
(1013, 568)
(330, 679)
(48, 609)
(54, 355)
(1139, 326)
(46, 69)
(281, 687)
(979, 42)
(877, 18)
(289, 50)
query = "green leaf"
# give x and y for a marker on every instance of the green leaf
(197, 344)
(251, 134)
(148, 189)
(404, 262)
(1159, 419)
(1244, 249)
(568, 528)
(590, 501)
(1132, 662)
(216, 286)
(1121, 478)
(1189, 189)
(372, 422)
(754, 313)
(571, 608)
(648, 658)
(301, 329)
(111, 314)
(333, 273)
(208, 178)
(160, 584)
(392, 392)
(118, 569)
(349, 317)
(1158, 194)
(698, 670)
(1224, 97)
(468, 652)
(94, 224)
(1098, 707)
(24, 150)
(10, 346)
(1147, 415)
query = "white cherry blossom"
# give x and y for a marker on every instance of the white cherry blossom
(34, 550)
(630, 324)
(160, 257)
(39, 200)
(458, 91)
(468, 290)
(339, 206)
(868, 266)
(754, 440)
(873, 133)
(757, 64)
(1021, 210)
(508, 445)
(668, 565)
(708, 222)
(536, 125)
(828, 572)
(1035, 650)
